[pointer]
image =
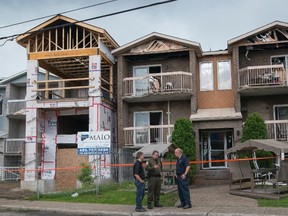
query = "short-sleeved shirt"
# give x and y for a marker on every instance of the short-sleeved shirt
(181, 165)
(138, 169)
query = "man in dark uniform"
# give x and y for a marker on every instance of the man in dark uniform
(154, 168)
(139, 175)
(182, 169)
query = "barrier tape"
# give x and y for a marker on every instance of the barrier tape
(130, 165)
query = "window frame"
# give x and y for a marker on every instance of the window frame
(218, 81)
(212, 72)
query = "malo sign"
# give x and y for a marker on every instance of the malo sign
(91, 143)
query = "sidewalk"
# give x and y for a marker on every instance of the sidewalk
(208, 201)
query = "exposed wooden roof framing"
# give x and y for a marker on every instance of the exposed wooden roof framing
(275, 32)
(63, 45)
(157, 43)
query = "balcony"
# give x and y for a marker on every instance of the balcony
(71, 88)
(16, 108)
(158, 87)
(14, 146)
(277, 129)
(262, 80)
(153, 134)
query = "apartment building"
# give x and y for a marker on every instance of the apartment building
(158, 79)
(262, 75)
(162, 78)
(77, 94)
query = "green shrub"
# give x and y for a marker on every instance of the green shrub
(183, 137)
(255, 128)
(86, 174)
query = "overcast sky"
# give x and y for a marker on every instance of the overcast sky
(209, 22)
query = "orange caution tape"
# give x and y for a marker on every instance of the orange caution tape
(129, 165)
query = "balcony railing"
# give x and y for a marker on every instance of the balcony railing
(277, 129)
(153, 134)
(158, 82)
(16, 107)
(14, 146)
(71, 88)
(266, 75)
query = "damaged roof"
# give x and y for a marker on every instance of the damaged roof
(157, 42)
(264, 29)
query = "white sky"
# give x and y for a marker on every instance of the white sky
(210, 22)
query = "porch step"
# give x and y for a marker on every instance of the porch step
(211, 177)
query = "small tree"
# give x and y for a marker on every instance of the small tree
(86, 174)
(255, 128)
(183, 137)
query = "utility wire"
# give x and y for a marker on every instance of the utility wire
(69, 11)
(11, 37)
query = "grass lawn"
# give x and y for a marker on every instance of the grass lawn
(273, 203)
(109, 194)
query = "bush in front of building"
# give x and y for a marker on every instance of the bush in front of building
(183, 137)
(85, 177)
(255, 128)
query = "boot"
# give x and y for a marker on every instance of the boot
(150, 205)
(158, 205)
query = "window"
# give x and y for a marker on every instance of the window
(206, 76)
(141, 85)
(148, 127)
(224, 75)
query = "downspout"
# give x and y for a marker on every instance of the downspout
(169, 116)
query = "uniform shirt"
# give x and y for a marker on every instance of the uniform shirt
(181, 165)
(151, 170)
(138, 169)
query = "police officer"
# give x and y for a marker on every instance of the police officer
(154, 168)
(182, 169)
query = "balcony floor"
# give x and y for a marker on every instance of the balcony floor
(161, 96)
(263, 90)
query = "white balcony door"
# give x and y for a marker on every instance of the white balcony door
(142, 134)
(276, 60)
(148, 127)
(281, 129)
(141, 85)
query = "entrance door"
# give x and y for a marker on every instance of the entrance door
(213, 146)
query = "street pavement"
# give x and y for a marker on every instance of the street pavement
(208, 201)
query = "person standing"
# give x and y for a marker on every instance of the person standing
(139, 176)
(182, 169)
(154, 170)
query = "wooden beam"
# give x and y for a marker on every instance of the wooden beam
(111, 81)
(54, 70)
(63, 54)
(105, 58)
(46, 84)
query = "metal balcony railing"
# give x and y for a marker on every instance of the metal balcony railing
(153, 134)
(265, 75)
(15, 107)
(14, 146)
(157, 83)
(277, 129)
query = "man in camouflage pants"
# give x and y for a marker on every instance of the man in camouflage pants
(154, 168)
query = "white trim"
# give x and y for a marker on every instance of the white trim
(219, 52)
(257, 30)
(156, 34)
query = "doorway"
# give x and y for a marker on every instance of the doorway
(213, 146)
